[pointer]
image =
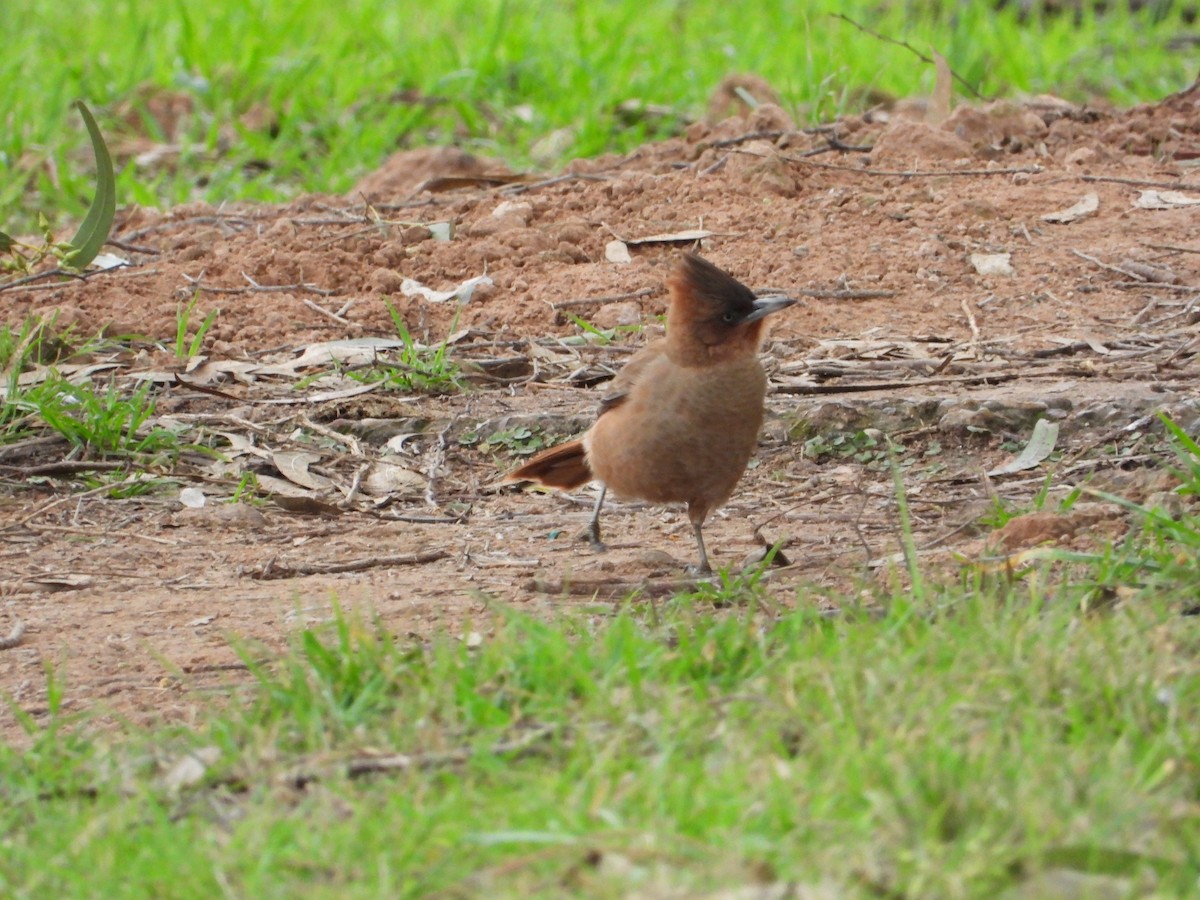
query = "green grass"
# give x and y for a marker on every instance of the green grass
(497, 76)
(935, 756)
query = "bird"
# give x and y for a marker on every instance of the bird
(680, 420)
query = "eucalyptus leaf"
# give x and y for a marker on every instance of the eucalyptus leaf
(96, 225)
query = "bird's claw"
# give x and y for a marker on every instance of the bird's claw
(592, 536)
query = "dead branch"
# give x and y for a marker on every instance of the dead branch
(323, 311)
(115, 486)
(417, 519)
(1128, 273)
(512, 190)
(347, 440)
(911, 49)
(906, 173)
(26, 283)
(62, 467)
(997, 378)
(817, 294)
(751, 136)
(596, 301)
(1137, 182)
(256, 288)
(1156, 286)
(611, 588)
(14, 637)
(273, 570)
(361, 766)
(240, 221)
(1172, 247)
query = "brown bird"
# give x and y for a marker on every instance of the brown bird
(681, 419)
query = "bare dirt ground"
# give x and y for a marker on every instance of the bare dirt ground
(941, 306)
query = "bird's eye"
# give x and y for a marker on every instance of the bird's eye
(729, 318)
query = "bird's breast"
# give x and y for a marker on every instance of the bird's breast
(683, 434)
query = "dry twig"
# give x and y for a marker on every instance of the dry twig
(14, 637)
(911, 49)
(1128, 273)
(273, 570)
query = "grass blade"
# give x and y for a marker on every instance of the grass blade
(96, 225)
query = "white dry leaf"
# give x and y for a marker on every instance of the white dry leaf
(993, 263)
(391, 479)
(281, 487)
(943, 91)
(293, 465)
(396, 442)
(617, 252)
(190, 768)
(192, 498)
(1087, 205)
(109, 261)
(66, 582)
(74, 373)
(349, 352)
(687, 236)
(238, 444)
(326, 396)
(1093, 342)
(201, 370)
(1041, 444)
(441, 231)
(209, 371)
(412, 288)
(1164, 200)
(552, 147)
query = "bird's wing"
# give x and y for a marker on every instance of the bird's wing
(632, 372)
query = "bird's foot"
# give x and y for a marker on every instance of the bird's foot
(704, 571)
(592, 536)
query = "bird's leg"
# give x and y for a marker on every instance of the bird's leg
(703, 568)
(592, 532)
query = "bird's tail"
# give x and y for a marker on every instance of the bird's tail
(564, 467)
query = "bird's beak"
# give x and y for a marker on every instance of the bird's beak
(764, 306)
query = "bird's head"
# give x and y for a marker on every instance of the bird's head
(712, 314)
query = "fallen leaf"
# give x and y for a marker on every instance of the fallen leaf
(993, 263)
(617, 252)
(1085, 207)
(943, 91)
(411, 288)
(350, 352)
(293, 465)
(1157, 274)
(672, 237)
(1164, 200)
(192, 498)
(76, 374)
(65, 582)
(552, 147)
(305, 505)
(388, 478)
(190, 768)
(109, 261)
(1041, 445)
(455, 182)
